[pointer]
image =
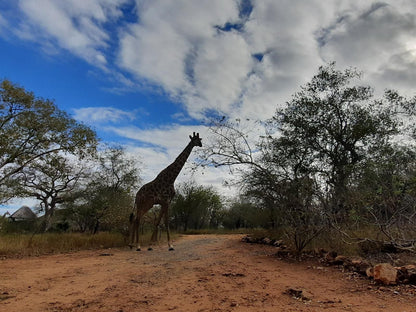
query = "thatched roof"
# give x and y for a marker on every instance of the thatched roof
(23, 213)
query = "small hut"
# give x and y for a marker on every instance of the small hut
(24, 213)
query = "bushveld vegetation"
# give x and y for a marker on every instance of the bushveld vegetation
(335, 167)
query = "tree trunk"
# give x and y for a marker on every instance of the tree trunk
(46, 224)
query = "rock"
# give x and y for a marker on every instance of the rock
(330, 256)
(402, 275)
(320, 252)
(360, 266)
(263, 240)
(282, 252)
(385, 273)
(279, 243)
(339, 260)
(411, 273)
(369, 272)
(406, 274)
(266, 241)
(299, 294)
(410, 267)
(249, 239)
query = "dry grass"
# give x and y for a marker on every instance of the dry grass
(348, 241)
(39, 244)
(21, 245)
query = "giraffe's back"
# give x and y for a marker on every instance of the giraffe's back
(156, 192)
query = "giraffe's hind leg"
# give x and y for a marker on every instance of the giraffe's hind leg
(165, 210)
(155, 233)
(138, 248)
(143, 206)
(136, 233)
(133, 228)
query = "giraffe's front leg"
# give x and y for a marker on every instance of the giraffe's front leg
(153, 239)
(166, 215)
(136, 233)
(138, 248)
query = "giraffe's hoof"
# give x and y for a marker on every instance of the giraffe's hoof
(171, 248)
(150, 249)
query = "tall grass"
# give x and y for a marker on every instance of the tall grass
(348, 242)
(39, 244)
(18, 245)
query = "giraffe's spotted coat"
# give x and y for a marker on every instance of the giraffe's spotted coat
(160, 191)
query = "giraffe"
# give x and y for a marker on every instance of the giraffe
(159, 191)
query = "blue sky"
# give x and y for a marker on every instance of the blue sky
(147, 73)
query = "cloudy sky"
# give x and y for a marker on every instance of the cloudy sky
(147, 73)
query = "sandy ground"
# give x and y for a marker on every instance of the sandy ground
(204, 273)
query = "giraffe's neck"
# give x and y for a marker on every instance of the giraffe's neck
(171, 172)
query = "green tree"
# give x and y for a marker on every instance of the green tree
(307, 164)
(196, 207)
(338, 125)
(385, 194)
(52, 179)
(32, 127)
(244, 214)
(107, 199)
(287, 190)
(405, 110)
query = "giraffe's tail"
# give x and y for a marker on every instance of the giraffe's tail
(132, 214)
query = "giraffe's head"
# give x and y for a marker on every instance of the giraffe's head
(196, 140)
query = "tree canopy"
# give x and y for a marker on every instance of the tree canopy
(334, 153)
(196, 207)
(32, 127)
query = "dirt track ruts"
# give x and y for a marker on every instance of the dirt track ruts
(204, 273)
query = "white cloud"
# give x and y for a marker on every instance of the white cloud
(176, 48)
(186, 49)
(102, 114)
(214, 177)
(378, 39)
(154, 160)
(171, 139)
(162, 47)
(73, 25)
(221, 66)
(3, 23)
(207, 55)
(161, 147)
(248, 72)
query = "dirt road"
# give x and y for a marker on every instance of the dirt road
(204, 273)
